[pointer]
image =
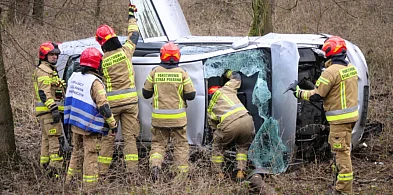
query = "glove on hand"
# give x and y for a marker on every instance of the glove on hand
(56, 115)
(132, 9)
(296, 93)
(228, 73)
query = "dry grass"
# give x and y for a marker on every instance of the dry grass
(369, 24)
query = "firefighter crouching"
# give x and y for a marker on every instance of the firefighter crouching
(230, 122)
(86, 110)
(170, 86)
(118, 73)
(49, 95)
(338, 88)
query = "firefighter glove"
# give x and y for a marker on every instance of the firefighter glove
(56, 115)
(297, 91)
(131, 10)
(228, 73)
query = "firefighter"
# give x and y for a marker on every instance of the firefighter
(86, 111)
(338, 88)
(170, 86)
(49, 90)
(119, 80)
(230, 122)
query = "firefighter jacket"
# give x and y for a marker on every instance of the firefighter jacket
(118, 70)
(49, 89)
(170, 87)
(225, 107)
(338, 86)
(85, 95)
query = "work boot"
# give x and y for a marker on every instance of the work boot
(240, 175)
(332, 191)
(155, 173)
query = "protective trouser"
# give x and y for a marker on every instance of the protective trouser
(340, 142)
(178, 137)
(129, 123)
(85, 151)
(50, 144)
(240, 131)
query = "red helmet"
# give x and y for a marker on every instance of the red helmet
(170, 53)
(91, 57)
(334, 46)
(104, 33)
(46, 48)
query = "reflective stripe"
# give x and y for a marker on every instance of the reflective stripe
(305, 96)
(343, 96)
(132, 27)
(213, 102)
(229, 101)
(46, 80)
(323, 80)
(129, 45)
(90, 178)
(131, 157)
(44, 159)
(49, 102)
(155, 98)
(343, 111)
(168, 111)
(122, 96)
(110, 120)
(168, 116)
(41, 107)
(180, 94)
(232, 110)
(82, 112)
(217, 159)
(55, 157)
(187, 81)
(348, 72)
(337, 146)
(52, 131)
(241, 157)
(119, 92)
(72, 171)
(345, 176)
(156, 156)
(102, 91)
(182, 168)
(130, 73)
(342, 116)
(149, 79)
(104, 160)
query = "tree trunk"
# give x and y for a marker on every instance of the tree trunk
(38, 11)
(262, 17)
(11, 11)
(7, 138)
(98, 9)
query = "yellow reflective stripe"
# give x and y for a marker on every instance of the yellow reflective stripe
(345, 176)
(213, 102)
(129, 45)
(108, 79)
(337, 146)
(52, 131)
(60, 108)
(183, 168)
(102, 91)
(342, 116)
(36, 90)
(45, 80)
(217, 159)
(168, 116)
(104, 160)
(305, 96)
(49, 102)
(149, 79)
(348, 72)
(187, 81)
(163, 77)
(72, 171)
(122, 96)
(229, 101)
(323, 80)
(156, 156)
(90, 178)
(44, 159)
(229, 73)
(231, 112)
(131, 157)
(343, 95)
(240, 157)
(132, 27)
(110, 120)
(179, 93)
(155, 98)
(41, 108)
(130, 72)
(55, 157)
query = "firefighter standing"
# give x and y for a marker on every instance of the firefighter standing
(118, 74)
(338, 88)
(49, 90)
(170, 86)
(230, 122)
(86, 110)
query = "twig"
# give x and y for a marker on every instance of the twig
(288, 9)
(344, 9)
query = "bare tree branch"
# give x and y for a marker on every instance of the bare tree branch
(346, 11)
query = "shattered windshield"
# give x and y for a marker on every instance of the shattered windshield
(267, 150)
